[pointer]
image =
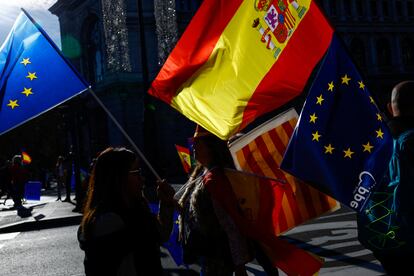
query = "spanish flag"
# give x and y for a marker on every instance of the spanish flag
(184, 154)
(240, 59)
(26, 159)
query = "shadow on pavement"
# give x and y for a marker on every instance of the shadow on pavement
(182, 272)
(336, 255)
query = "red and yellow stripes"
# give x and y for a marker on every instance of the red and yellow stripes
(300, 201)
(185, 158)
(194, 47)
(260, 200)
(224, 72)
(287, 78)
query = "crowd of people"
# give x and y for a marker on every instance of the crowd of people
(121, 236)
(15, 174)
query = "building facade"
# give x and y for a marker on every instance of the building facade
(380, 37)
(114, 45)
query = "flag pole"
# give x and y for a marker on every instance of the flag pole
(141, 155)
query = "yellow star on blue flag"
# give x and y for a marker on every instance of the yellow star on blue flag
(345, 152)
(34, 64)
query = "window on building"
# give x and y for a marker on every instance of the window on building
(374, 9)
(385, 8)
(324, 4)
(360, 8)
(348, 7)
(407, 48)
(93, 55)
(383, 54)
(333, 9)
(357, 50)
(398, 8)
(181, 5)
(410, 8)
(188, 5)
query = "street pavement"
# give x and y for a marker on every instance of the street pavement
(333, 236)
(37, 214)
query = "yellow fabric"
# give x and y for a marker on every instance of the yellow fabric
(247, 190)
(216, 96)
(298, 188)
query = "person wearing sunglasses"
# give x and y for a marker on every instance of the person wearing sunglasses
(118, 232)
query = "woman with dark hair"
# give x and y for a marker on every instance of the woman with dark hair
(119, 234)
(207, 232)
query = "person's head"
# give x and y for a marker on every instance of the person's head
(115, 183)
(402, 100)
(209, 150)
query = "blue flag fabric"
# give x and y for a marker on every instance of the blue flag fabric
(173, 245)
(341, 144)
(32, 190)
(34, 76)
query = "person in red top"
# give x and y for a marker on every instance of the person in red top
(207, 233)
(19, 176)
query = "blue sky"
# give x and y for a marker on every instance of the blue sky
(38, 9)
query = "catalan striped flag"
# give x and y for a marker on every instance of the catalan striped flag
(239, 59)
(261, 152)
(233, 189)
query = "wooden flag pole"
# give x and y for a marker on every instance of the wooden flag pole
(141, 155)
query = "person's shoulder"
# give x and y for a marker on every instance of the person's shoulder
(407, 137)
(400, 125)
(108, 223)
(409, 143)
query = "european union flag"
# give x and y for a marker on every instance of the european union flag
(172, 245)
(34, 76)
(341, 144)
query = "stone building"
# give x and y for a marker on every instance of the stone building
(380, 37)
(114, 46)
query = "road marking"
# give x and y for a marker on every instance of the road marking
(322, 226)
(373, 268)
(335, 215)
(255, 266)
(350, 255)
(336, 235)
(8, 236)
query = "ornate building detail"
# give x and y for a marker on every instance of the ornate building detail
(116, 35)
(166, 27)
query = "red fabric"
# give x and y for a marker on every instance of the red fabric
(19, 174)
(194, 47)
(182, 152)
(288, 76)
(26, 159)
(285, 256)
